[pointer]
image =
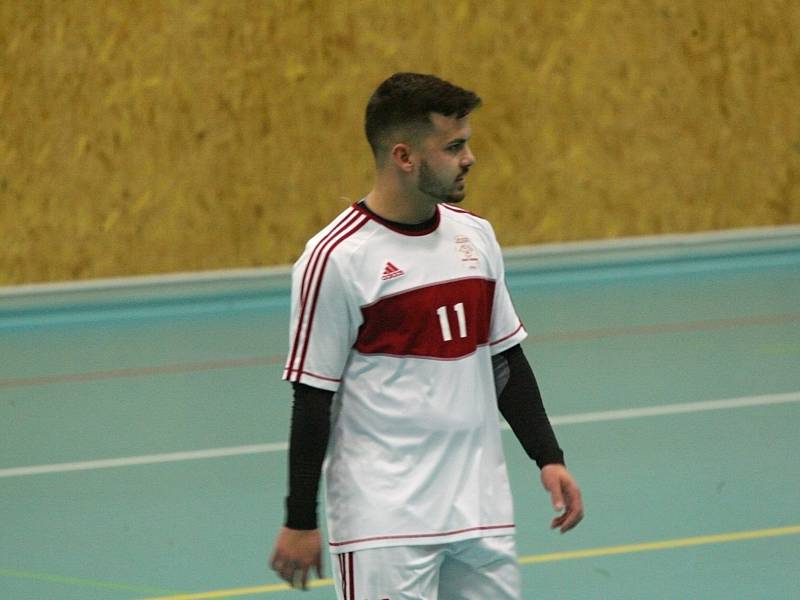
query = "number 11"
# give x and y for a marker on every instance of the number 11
(444, 322)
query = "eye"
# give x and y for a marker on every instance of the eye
(455, 148)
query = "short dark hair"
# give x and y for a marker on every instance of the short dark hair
(407, 99)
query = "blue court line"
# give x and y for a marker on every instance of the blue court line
(258, 289)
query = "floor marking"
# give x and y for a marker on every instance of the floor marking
(260, 361)
(674, 409)
(671, 242)
(108, 585)
(705, 325)
(148, 459)
(255, 361)
(589, 417)
(259, 589)
(780, 349)
(703, 540)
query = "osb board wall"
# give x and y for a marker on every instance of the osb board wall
(149, 136)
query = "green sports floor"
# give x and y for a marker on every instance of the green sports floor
(143, 427)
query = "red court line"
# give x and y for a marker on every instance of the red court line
(142, 371)
(706, 325)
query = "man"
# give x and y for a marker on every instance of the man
(404, 345)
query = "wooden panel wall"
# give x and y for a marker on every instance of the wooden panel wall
(147, 136)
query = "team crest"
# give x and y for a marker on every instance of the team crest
(466, 251)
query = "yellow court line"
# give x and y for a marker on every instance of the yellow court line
(259, 589)
(532, 559)
(662, 545)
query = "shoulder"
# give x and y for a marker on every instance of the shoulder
(339, 241)
(465, 217)
(469, 220)
(341, 227)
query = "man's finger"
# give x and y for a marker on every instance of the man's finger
(281, 568)
(318, 565)
(557, 497)
(287, 574)
(287, 571)
(558, 521)
(568, 520)
(304, 578)
(571, 522)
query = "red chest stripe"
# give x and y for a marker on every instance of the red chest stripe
(445, 321)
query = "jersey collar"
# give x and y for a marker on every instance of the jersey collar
(416, 229)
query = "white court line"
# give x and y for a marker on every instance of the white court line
(589, 417)
(674, 409)
(148, 459)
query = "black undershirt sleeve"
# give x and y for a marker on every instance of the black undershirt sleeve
(521, 405)
(308, 442)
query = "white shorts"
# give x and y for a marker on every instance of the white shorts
(476, 569)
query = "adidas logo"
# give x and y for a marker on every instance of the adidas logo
(390, 271)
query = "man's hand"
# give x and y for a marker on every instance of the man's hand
(296, 551)
(565, 495)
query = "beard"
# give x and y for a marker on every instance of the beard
(433, 186)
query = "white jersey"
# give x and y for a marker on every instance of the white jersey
(401, 326)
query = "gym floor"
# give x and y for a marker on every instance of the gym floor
(143, 446)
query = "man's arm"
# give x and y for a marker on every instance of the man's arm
(520, 403)
(299, 546)
(308, 441)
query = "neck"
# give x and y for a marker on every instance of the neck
(401, 206)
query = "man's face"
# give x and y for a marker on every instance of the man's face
(445, 159)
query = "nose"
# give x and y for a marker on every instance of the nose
(468, 159)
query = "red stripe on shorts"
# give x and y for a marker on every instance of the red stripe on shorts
(351, 569)
(342, 574)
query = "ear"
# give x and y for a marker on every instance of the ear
(401, 157)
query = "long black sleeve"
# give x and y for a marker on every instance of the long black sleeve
(308, 441)
(521, 405)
